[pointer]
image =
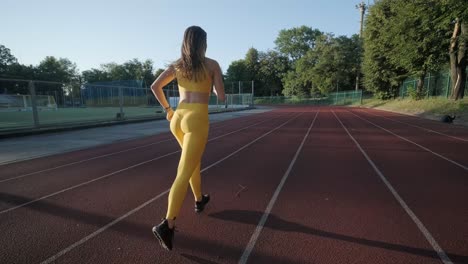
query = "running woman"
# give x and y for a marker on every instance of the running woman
(196, 75)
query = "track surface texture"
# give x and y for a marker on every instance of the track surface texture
(292, 185)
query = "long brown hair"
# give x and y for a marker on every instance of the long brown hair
(191, 63)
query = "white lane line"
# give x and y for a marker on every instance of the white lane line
(442, 255)
(82, 161)
(261, 223)
(90, 159)
(420, 127)
(115, 172)
(87, 147)
(407, 140)
(104, 228)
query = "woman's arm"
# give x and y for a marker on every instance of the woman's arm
(165, 78)
(218, 81)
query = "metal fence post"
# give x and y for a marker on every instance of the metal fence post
(32, 90)
(448, 87)
(252, 98)
(121, 102)
(428, 86)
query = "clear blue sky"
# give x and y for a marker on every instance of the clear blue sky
(94, 32)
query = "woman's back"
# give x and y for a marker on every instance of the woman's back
(186, 85)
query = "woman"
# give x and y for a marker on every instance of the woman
(196, 75)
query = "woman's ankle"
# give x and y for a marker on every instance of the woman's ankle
(171, 223)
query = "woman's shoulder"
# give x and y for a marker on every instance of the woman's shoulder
(211, 63)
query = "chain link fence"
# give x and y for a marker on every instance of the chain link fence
(435, 85)
(40, 104)
(351, 97)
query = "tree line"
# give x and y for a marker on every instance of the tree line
(62, 70)
(414, 38)
(401, 39)
(305, 62)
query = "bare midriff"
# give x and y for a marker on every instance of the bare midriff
(194, 97)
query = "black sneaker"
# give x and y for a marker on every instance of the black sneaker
(164, 234)
(199, 206)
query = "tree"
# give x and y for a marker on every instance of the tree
(237, 71)
(293, 86)
(158, 72)
(130, 70)
(381, 75)
(458, 59)
(95, 75)
(419, 45)
(333, 62)
(252, 64)
(272, 69)
(64, 72)
(57, 70)
(295, 42)
(6, 59)
(456, 15)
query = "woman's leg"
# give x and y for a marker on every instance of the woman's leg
(195, 179)
(192, 150)
(195, 183)
(195, 134)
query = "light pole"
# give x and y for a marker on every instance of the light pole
(362, 8)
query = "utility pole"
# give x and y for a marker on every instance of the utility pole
(362, 8)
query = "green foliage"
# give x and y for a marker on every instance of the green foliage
(272, 68)
(58, 70)
(6, 59)
(332, 62)
(293, 85)
(381, 75)
(158, 72)
(266, 69)
(130, 70)
(413, 93)
(295, 42)
(252, 64)
(407, 38)
(237, 71)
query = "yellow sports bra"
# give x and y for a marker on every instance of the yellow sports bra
(192, 86)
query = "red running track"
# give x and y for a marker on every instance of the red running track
(294, 185)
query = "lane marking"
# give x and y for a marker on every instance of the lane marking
(420, 127)
(115, 172)
(407, 140)
(93, 158)
(442, 255)
(261, 223)
(104, 228)
(109, 143)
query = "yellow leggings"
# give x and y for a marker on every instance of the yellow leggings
(190, 126)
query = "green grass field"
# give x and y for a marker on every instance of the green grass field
(72, 115)
(66, 116)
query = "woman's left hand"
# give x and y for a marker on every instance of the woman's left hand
(169, 114)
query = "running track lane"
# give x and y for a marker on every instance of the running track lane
(65, 218)
(105, 247)
(449, 129)
(435, 189)
(335, 209)
(201, 236)
(41, 184)
(452, 148)
(43, 163)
